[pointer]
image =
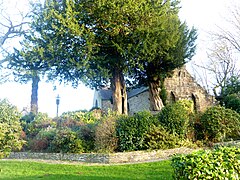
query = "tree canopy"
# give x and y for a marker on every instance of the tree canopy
(101, 42)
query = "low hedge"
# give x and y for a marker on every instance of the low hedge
(220, 163)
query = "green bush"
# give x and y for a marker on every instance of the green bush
(221, 163)
(158, 138)
(232, 101)
(105, 138)
(86, 133)
(220, 124)
(131, 130)
(175, 117)
(66, 141)
(10, 128)
(42, 141)
(41, 121)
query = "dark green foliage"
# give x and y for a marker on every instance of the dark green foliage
(220, 124)
(111, 41)
(229, 95)
(232, 86)
(87, 134)
(66, 141)
(222, 163)
(131, 130)
(26, 120)
(175, 117)
(167, 58)
(83, 44)
(10, 129)
(158, 138)
(232, 101)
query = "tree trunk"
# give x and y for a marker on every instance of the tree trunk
(119, 92)
(34, 95)
(156, 103)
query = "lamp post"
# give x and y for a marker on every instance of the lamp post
(57, 103)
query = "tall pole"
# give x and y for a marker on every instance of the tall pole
(57, 103)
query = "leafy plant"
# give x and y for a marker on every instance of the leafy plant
(26, 120)
(41, 121)
(220, 124)
(175, 117)
(158, 138)
(10, 128)
(66, 141)
(86, 133)
(221, 163)
(131, 130)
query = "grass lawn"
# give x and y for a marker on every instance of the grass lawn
(20, 170)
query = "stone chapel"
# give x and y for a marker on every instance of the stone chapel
(180, 86)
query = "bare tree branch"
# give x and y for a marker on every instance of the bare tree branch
(10, 28)
(223, 58)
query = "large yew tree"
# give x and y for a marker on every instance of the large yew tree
(108, 38)
(152, 72)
